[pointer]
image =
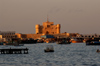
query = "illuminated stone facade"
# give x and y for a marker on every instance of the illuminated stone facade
(47, 28)
(8, 35)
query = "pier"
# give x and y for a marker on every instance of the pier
(14, 51)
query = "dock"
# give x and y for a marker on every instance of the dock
(14, 51)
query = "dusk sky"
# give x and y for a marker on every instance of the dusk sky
(75, 16)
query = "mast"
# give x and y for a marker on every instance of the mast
(47, 19)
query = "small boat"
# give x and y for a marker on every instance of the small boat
(49, 48)
(77, 40)
(18, 44)
(13, 44)
(98, 50)
(63, 42)
(28, 41)
(92, 42)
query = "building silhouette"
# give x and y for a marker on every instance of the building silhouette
(47, 28)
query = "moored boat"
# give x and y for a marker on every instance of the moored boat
(18, 44)
(49, 48)
(63, 42)
(92, 42)
(98, 50)
(28, 41)
(77, 40)
(14, 44)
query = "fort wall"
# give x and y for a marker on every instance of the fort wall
(47, 28)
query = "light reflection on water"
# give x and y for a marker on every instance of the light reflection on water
(75, 54)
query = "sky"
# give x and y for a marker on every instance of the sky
(75, 16)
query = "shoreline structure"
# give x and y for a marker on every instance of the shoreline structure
(48, 28)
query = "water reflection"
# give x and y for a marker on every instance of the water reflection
(64, 55)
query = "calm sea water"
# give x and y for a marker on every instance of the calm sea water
(75, 54)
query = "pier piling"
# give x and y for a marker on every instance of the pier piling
(14, 51)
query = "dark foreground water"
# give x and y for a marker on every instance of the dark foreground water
(77, 54)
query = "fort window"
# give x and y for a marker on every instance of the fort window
(52, 32)
(48, 25)
(40, 32)
(47, 32)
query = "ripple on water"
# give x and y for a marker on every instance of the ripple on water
(64, 55)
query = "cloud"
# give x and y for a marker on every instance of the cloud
(75, 10)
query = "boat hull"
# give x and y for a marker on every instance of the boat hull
(48, 50)
(76, 41)
(63, 42)
(93, 43)
(98, 50)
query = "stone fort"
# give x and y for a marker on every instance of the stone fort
(47, 28)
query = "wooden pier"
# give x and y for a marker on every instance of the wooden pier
(14, 51)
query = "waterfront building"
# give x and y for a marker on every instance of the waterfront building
(28, 36)
(0, 38)
(89, 35)
(47, 28)
(48, 38)
(8, 35)
(21, 36)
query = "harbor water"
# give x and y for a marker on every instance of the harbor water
(74, 54)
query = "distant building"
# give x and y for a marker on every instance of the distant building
(0, 38)
(8, 35)
(21, 36)
(90, 35)
(47, 28)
